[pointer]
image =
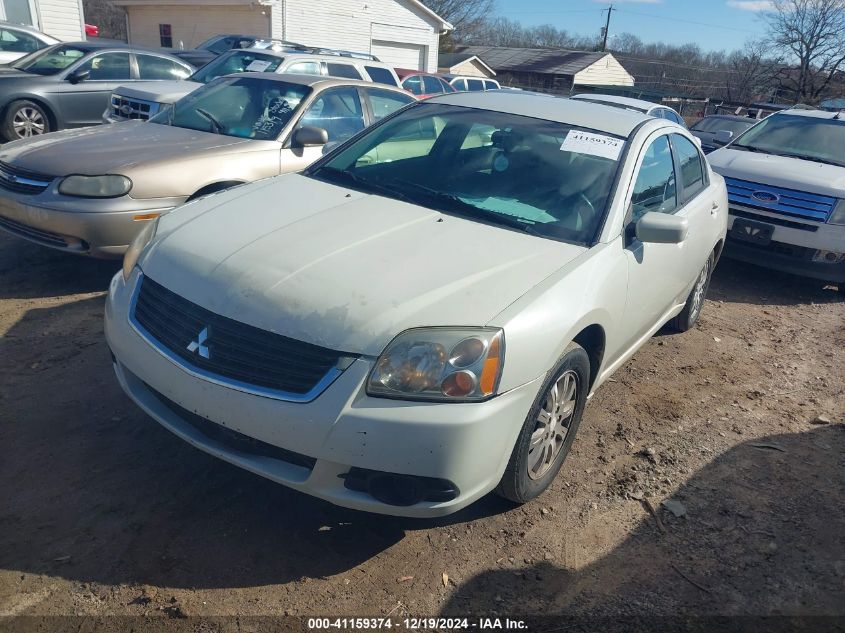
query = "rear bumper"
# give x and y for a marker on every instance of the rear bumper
(101, 228)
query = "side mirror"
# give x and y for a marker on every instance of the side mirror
(78, 76)
(722, 138)
(661, 228)
(309, 136)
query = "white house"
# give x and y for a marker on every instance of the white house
(403, 33)
(63, 19)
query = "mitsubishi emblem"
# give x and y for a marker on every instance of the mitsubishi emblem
(199, 346)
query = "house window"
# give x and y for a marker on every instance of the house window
(165, 34)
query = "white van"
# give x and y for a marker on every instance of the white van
(473, 84)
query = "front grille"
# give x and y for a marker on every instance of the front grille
(134, 109)
(22, 180)
(789, 202)
(232, 439)
(36, 235)
(247, 355)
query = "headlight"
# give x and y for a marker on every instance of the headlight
(111, 186)
(440, 363)
(838, 215)
(137, 247)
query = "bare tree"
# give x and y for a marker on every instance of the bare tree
(750, 72)
(110, 19)
(812, 33)
(466, 16)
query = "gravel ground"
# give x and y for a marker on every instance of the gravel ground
(707, 479)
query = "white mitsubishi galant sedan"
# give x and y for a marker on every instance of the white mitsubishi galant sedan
(420, 317)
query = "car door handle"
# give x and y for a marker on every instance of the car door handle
(714, 208)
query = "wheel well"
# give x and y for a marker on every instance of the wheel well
(54, 124)
(592, 339)
(214, 188)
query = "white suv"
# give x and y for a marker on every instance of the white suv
(143, 100)
(786, 186)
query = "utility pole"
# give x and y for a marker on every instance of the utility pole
(609, 10)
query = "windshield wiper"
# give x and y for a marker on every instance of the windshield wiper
(814, 159)
(216, 125)
(349, 178)
(751, 148)
(455, 204)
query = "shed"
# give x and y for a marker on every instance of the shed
(63, 19)
(402, 33)
(465, 64)
(550, 69)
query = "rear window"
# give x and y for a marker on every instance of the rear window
(237, 62)
(380, 75)
(490, 85)
(346, 71)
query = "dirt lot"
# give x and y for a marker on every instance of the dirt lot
(103, 512)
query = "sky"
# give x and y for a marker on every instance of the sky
(712, 24)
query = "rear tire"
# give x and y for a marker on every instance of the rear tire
(549, 430)
(689, 316)
(24, 119)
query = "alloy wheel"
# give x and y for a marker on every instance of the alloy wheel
(552, 425)
(28, 122)
(698, 291)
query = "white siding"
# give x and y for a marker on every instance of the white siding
(469, 68)
(605, 72)
(192, 25)
(61, 18)
(354, 24)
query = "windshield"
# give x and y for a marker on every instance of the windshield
(244, 107)
(545, 178)
(219, 44)
(236, 62)
(808, 137)
(711, 125)
(51, 60)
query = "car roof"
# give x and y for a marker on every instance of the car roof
(315, 81)
(24, 27)
(639, 104)
(816, 114)
(588, 115)
(96, 45)
(730, 117)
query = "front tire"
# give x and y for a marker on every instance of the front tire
(24, 119)
(549, 430)
(689, 316)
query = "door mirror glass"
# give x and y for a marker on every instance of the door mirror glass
(661, 228)
(310, 136)
(723, 137)
(79, 75)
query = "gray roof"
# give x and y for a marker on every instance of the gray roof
(447, 60)
(549, 61)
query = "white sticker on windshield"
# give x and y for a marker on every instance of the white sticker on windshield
(258, 66)
(593, 144)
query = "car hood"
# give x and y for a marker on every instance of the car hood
(7, 72)
(111, 149)
(779, 171)
(158, 91)
(340, 268)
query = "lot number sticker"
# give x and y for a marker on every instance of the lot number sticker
(258, 66)
(593, 144)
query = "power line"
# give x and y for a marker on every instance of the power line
(663, 17)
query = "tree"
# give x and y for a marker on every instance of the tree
(467, 16)
(751, 72)
(111, 20)
(811, 33)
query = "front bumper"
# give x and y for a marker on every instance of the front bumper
(468, 444)
(86, 226)
(791, 249)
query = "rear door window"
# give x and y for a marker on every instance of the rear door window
(154, 67)
(460, 84)
(490, 85)
(380, 75)
(475, 85)
(304, 68)
(345, 71)
(386, 102)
